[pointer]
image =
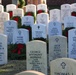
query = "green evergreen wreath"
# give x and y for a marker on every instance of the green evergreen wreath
(18, 19)
(65, 31)
(21, 3)
(14, 53)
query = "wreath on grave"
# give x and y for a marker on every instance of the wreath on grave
(29, 29)
(10, 13)
(30, 14)
(73, 13)
(65, 32)
(40, 11)
(21, 3)
(18, 19)
(16, 51)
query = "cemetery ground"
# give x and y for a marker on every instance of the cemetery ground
(13, 67)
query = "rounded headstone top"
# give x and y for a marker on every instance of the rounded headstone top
(30, 72)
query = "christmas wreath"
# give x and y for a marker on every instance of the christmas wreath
(65, 32)
(40, 11)
(21, 3)
(30, 14)
(16, 51)
(30, 31)
(73, 13)
(10, 13)
(18, 19)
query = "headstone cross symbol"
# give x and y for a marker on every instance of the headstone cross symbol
(56, 39)
(38, 27)
(63, 65)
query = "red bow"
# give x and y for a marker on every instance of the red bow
(11, 14)
(40, 11)
(18, 49)
(73, 13)
(16, 19)
(29, 14)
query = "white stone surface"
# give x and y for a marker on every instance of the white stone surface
(36, 56)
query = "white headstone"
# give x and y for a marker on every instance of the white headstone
(4, 16)
(73, 7)
(69, 21)
(72, 43)
(57, 47)
(65, 11)
(42, 7)
(42, 18)
(1, 8)
(18, 12)
(36, 56)
(30, 72)
(28, 20)
(39, 31)
(3, 49)
(63, 66)
(54, 28)
(20, 36)
(10, 7)
(9, 27)
(31, 8)
(55, 15)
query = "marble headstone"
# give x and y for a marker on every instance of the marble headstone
(69, 21)
(30, 72)
(72, 43)
(55, 15)
(73, 7)
(65, 11)
(57, 47)
(43, 18)
(4, 16)
(3, 49)
(9, 27)
(28, 20)
(20, 36)
(1, 8)
(31, 8)
(63, 66)
(39, 31)
(10, 7)
(42, 7)
(18, 12)
(54, 28)
(36, 56)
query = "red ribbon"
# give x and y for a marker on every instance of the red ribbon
(18, 49)
(11, 14)
(29, 14)
(16, 19)
(40, 11)
(73, 13)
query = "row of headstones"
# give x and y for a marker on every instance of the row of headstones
(61, 66)
(36, 51)
(55, 14)
(37, 30)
